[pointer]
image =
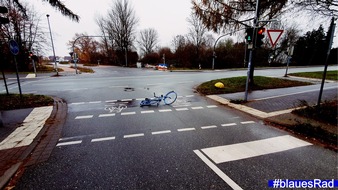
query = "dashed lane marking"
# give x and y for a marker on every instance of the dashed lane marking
(247, 122)
(123, 100)
(95, 102)
(107, 115)
(197, 108)
(84, 117)
(103, 139)
(69, 143)
(145, 112)
(229, 124)
(165, 110)
(209, 127)
(182, 109)
(148, 111)
(186, 129)
(128, 113)
(133, 135)
(160, 132)
(136, 135)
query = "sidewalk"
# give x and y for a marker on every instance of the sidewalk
(28, 137)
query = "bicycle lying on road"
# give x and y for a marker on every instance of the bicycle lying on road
(168, 99)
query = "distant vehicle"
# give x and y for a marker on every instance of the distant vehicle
(162, 67)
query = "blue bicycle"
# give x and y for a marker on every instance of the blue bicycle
(168, 99)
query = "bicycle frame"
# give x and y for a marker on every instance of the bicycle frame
(157, 99)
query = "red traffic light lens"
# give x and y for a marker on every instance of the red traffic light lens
(261, 30)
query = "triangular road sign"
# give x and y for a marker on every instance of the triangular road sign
(274, 36)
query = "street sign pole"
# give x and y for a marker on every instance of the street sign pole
(14, 48)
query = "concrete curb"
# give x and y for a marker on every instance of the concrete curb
(249, 110)
(33, 154)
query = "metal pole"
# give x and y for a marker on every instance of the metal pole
(51, 38)
(17, 76)
(332, 28)
(250, 69)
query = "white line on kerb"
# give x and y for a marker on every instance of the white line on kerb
(133, 135)
(103, 139)
(69, 143)
(160, 132)
(219, 172)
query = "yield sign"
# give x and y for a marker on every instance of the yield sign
(274, 36)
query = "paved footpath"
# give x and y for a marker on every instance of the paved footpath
(33, 141)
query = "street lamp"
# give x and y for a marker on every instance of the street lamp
(51, 38)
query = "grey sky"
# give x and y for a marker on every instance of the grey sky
(167, 17)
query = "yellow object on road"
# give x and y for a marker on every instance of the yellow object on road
(219, 85)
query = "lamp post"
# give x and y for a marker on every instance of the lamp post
(51, 38)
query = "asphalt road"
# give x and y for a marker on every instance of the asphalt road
(192, 144)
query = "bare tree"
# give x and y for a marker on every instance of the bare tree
(197, 34)
(178, 42)
(322, 7)
(85, 47)
(148, 40)
(119, 26)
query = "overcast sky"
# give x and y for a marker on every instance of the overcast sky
(167, 17)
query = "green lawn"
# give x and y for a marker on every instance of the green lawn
(237, 84)
(330, 75)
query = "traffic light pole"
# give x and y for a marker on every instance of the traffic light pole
(250, 65)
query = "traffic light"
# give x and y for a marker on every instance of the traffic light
(260, 37)
(3, 20)
(249, 32)
(30, 54)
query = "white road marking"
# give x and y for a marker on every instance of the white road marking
(219, 172)
(197, 108)
(247, 122)
(128, 113)
(250, 149)
(228, 124)
(111, 101)
(84, 117)
(126, 100)
(209, 127)
(107, 115)
(182, 109)
(95, 102)
(69, 143)
(189, 96)
(103, 139)
(77, 103)
(186, 129)
(154, 84)
(133, 135)
(160, 132)
(212, 106)
(148, 111)
(139, 99)
(165, 110)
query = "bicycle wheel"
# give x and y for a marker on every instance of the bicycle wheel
(170, 98)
